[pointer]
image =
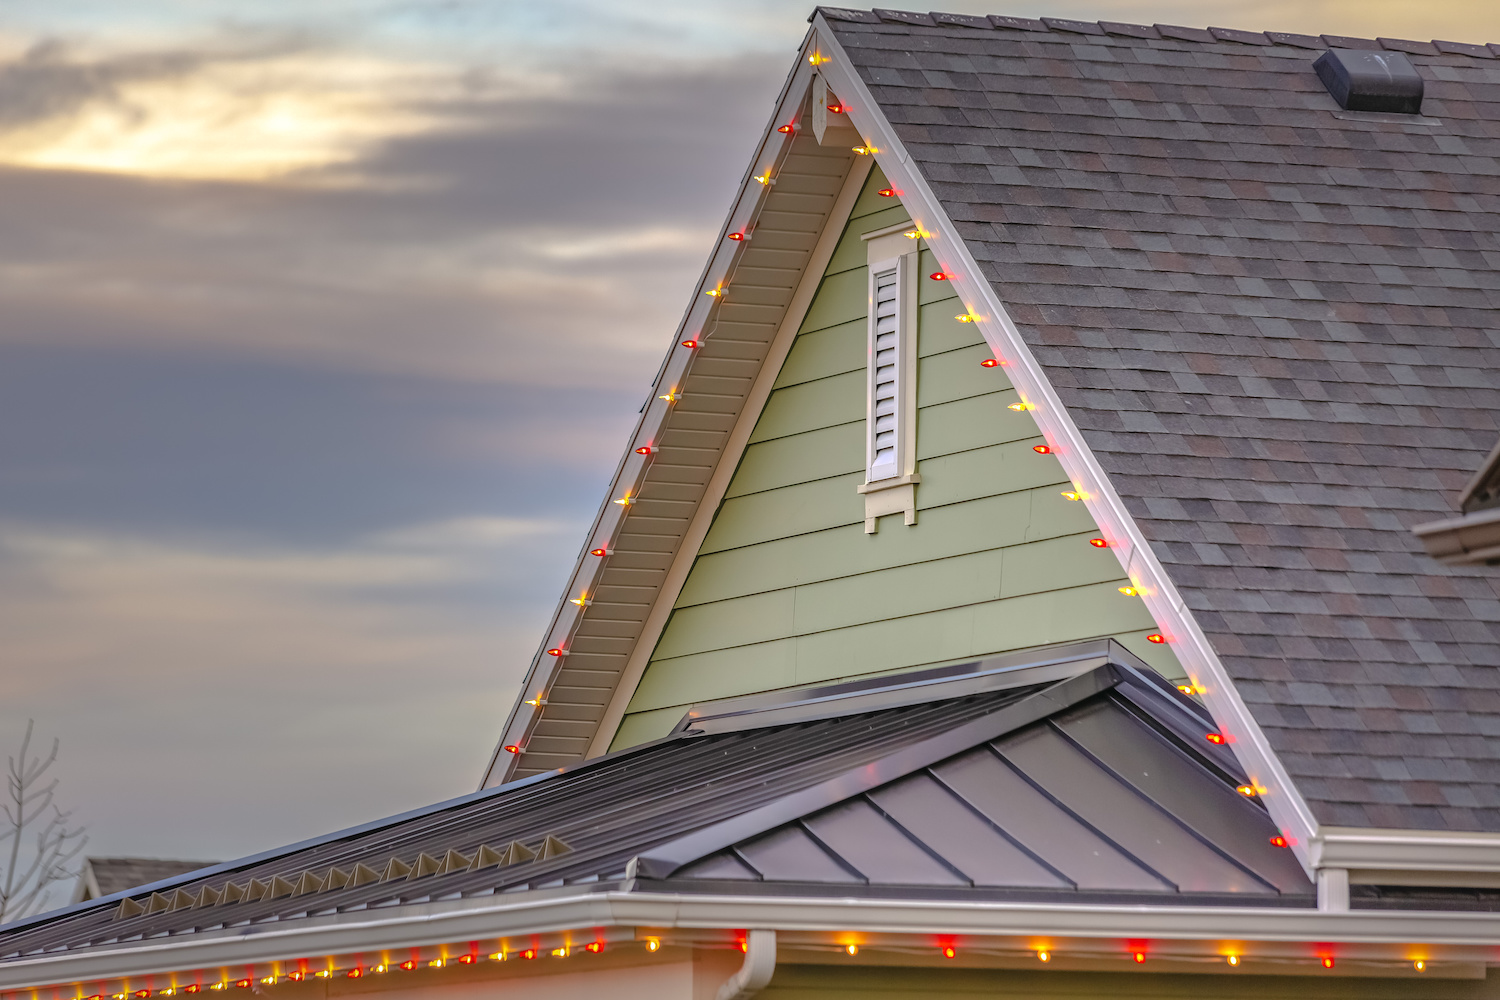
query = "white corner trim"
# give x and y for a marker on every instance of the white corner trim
(1473, 539)
(1206, 671)
(729, 458)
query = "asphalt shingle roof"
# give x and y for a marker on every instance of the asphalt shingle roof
(1275, 324)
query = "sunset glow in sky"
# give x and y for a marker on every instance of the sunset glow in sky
(322, 326)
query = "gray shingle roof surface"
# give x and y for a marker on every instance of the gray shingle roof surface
(1275, 324)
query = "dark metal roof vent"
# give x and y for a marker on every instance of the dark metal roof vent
(1362, 80)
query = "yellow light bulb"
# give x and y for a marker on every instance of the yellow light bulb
(671, 397)
(714, 292)
(1419, 965)
(764, 178)
(652, 944)
(852, 949)
(379, 968)
(1234, 960)
(1020, 406)
(436, 963)
(582, 600)
(559, 953)
(1070, 495)
(1044, 956)
(1129, 591)
(964, 318)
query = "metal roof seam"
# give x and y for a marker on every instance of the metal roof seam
(985, 818)
(1081, 821)
(1163, 810)
(918, 841)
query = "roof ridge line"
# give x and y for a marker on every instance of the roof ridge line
(1164, 32)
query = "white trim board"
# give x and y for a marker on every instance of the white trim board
(1285, 802)
(547, 916)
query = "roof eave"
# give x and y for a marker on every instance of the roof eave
(1380, 936)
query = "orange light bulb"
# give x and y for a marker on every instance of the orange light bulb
(1156, 637)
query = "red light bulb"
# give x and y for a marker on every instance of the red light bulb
(690, 344)
(949, 951)
(512, 748)
(466, 959)
(355, 973)
(243, 984)
(529, 953)
(1098, 543)
(938, 276)
(599, 552)
(644, 449)
(1278, 841)
(594, 947)
(736, 236)
(1041, 449)
(143, 994)
(787, 129)
(1217, 739)
(411, 963)
(886, 193)
(1140, 957)
(192, 988)
(555, 652)
(1327, 961)
(836, 108)
(1156, 637)
(989, 363)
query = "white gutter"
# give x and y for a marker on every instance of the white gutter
(1167, 607)
(534, 916)
(1408, 851)
(760, 965)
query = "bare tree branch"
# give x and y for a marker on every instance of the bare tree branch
(30, 808)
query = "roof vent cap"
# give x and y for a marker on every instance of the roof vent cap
(1367, 80)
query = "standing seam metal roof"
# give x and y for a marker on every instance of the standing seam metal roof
(1274, 323)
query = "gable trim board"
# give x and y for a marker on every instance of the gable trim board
(1380, 939)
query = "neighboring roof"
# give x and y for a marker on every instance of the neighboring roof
(1143, 809)
(107, 876)
(1273, 322)
(1483, 491)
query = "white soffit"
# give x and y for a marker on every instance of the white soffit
(1126, 540)
(585, 723)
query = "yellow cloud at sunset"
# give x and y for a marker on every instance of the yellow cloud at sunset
(229, 119)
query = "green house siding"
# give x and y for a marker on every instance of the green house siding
(788, 589)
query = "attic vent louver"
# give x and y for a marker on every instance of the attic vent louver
(1367, 80)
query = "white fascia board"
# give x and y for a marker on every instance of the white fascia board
(769, 155)
(1197, 656)
(1407, 850)
(541, 914)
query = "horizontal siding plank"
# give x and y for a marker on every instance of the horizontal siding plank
(946, 636)
(852, 253)
(800, 458)
(995, 521)
(782, 513)
(818, 354)
(841, 298)
(952, 375)
(807, 406)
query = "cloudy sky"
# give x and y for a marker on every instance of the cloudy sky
(322, 324)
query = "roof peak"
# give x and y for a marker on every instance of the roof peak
(1167, 32)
